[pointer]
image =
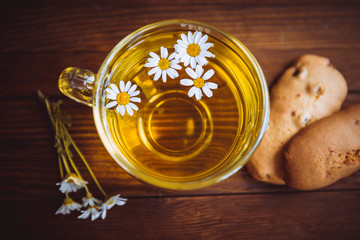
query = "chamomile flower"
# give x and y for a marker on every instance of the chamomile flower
(123, 97)
(199, 83)
(193, 49)
(163, 65)
(67, 206)
(71, 183)
(90, 211)
(90, 200)
(109, 203)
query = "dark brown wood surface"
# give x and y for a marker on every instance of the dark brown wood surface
(38, 39)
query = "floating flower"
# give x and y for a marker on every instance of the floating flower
(163, 66)
(90, 200)
(193, 49)
(199, 82)
(71, 183)
(109, 203)
(123, 98)
(67, 206)
(92, 210)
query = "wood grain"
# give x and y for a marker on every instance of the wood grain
(255, 216)
(38, 39)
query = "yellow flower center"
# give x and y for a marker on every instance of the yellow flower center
(193, 49)
(164, 64)
(70, 180)
(199, 82)
(123, 98)
(68, 201)
(111, 202)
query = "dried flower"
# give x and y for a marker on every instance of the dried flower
(71, 183)
(110, 202)
(90, 211)
(67, 206)
(89, 200)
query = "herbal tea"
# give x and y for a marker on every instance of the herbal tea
(182, 104)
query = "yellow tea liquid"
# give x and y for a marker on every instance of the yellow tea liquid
(175, 137)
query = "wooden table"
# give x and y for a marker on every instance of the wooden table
(39, 39)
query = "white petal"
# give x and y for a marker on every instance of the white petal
(175, 66)
(191, 73)
(85, 214)
(127, 86)
(150, 64)
(120, 109)
(178, 48)
(172, 73)
(201, 60)
(198, 94)
(111, 95)
(154, 56)
(133, 106)
(111, 104)
(121, 202)
(132, 89)
(129, 110)
(184, 38)
(103, 213)
(94, 214)
(211, 85)
(186, 60)
(186, 82)
(197, 37)
(203, 40)
(109, 91)
(166, 53)
(182, 44)
(192, 62)
(206, 46)
(61, 210)
(157, 74)
(134, 93)
(208, 74)
(122, 86)
(199, 71)
(163, 75)
(190, 37)
(135, 99)
(172, 56)
(192, 91)
(207, 91)
(114, 88)
(180, 55)
(207, 54)
(154, 70)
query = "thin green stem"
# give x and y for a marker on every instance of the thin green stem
(84, 160)
(61, 168)
(71, 160)
(65, 164)
(63, 139)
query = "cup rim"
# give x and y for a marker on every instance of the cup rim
(160, 183)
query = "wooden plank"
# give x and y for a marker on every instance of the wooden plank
(99, 28)
(29, 162)
(24, 73)
(19, 4)
(321, 215)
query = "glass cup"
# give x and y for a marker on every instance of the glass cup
(178, 104)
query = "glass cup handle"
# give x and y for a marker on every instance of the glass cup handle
(77, 84)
